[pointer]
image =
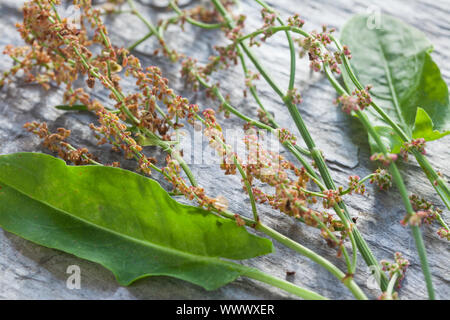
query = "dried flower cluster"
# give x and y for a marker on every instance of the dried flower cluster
(354, 185)
(382, 178)
(385, 159)
(397, 268)
(425, 213)
(359, 100)
(56, 143)
(416, 144)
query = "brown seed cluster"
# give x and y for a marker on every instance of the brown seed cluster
(399, 266)
(56, 143)
(425, 213)
(358, 100)
(415, 144)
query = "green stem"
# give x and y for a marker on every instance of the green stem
(312, 193)
(253, 90)
(196, 23)
(282, 284)
(272, 30)
(351, 265)
(271, 119)
(134, 45)
(85, 157)
(391, 284)
(153, 29)
(241, 172)
(249, 189)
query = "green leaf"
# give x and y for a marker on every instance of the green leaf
(75, 107)
(389, 137)
(121, 220)
(395, 58)
(423, 127)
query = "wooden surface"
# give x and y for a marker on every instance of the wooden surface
(28, 271)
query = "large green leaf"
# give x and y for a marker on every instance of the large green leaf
(395, 58)
(122, 220)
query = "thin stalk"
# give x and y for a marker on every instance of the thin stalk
(253, 91)
(152, 28)
(274, 29)
(134, 45)
(194, 22)
(85, 157)
(282, 284)
(249, 189)
(351, 264)
(390, 288)
(271, 119)
(241, 172)
(312, 193)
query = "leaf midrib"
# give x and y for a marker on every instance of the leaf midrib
(388, 73)
(127, 237)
